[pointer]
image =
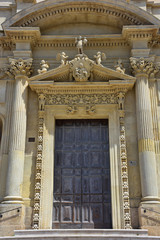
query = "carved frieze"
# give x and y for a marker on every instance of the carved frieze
(80, 99)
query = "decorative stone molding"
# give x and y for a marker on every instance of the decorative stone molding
(30, 20)
(60, 43)
(19, 67)
(124, 167)
(37, 195)
(16, 34)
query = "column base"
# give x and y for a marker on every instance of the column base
(13, 200)
(149, 215)
(150, 199)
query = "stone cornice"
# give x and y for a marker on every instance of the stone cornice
(57, 41)
(51, 87)
(33, 36)
(140, 32)
(16, 34)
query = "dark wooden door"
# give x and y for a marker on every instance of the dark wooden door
(82, 197)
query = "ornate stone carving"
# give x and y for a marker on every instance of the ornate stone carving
(119, 67)
(81, 68)
(62, 57)
(156, 69)
(37, 195)
(80, 42)
(99, 57)
(72, 109)
(91, 109)
(41, 99)
(120, 98)
(36, 217)
(36, 206)
(124, 168)
(141, 65)
(84, 99)
(44, 67)
(19, 67)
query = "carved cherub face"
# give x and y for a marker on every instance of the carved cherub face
(43, 62)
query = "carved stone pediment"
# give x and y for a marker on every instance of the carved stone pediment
(81, 69)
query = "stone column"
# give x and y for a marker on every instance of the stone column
(20, 70)
(142, 68)
(154, 108)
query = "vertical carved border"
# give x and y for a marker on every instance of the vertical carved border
(124, 167)
(36, 209)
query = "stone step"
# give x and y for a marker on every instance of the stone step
(81, 234)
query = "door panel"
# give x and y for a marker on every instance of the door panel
(82, 197)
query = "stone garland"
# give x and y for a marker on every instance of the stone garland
(124, 173)
(38, 171)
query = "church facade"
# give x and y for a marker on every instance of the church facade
(79, 115)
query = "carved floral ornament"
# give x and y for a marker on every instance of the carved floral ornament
(144, 66)
(19, 67)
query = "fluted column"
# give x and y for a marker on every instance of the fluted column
(154, 108)
(142, 68)
(19, 69)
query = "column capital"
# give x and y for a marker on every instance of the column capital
(19, 67)
(142, 66)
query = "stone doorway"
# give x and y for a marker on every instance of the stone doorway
(82, 192)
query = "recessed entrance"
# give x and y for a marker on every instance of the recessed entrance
(82, 196)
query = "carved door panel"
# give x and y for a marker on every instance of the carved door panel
(82, 197)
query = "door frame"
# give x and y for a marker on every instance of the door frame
(53, 112)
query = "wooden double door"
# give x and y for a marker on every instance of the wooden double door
(82, 196)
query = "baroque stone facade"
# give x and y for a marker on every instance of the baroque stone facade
(71, 60)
